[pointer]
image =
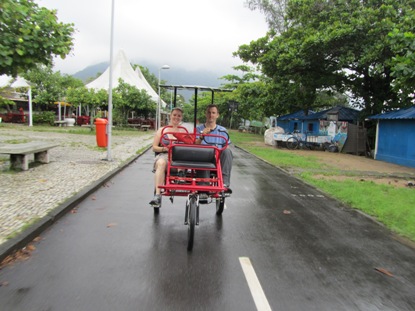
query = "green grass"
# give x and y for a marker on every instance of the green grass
(392, 206)
(389, 205)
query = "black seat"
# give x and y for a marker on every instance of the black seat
(193, 157)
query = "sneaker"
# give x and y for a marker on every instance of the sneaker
(227, 189)
(156, 202)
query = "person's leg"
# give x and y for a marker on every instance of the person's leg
(160, 167)
(226, 159)
(160, 174)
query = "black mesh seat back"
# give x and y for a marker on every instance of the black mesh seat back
(193, 157)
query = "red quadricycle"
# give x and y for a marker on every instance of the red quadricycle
(194, 171)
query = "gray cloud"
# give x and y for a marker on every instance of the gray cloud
(192, 34)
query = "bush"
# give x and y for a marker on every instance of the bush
(44, 117)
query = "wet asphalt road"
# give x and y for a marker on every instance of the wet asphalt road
(307, 251)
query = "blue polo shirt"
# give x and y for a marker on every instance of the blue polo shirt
(218, 130)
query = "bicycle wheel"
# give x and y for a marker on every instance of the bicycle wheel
(220, 205)
(292, 143)
(191, 222)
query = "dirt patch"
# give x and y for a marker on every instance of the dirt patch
(361, 168)
(365, 169)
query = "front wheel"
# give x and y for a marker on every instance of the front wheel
(292, 143)
(191, 222)
(220, 205)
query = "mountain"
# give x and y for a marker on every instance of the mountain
(91, 71)
(175, 76)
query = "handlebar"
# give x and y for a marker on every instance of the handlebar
(184, 137)
(222, 145)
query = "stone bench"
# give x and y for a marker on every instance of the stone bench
(60, 123)
(19, 153)
(65, 122)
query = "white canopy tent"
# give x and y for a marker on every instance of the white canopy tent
(19, 82)
(123, 69)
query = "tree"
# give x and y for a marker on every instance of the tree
(341, 45)
(402, 39)
(274, 12)
(48, 86)
(129, 99)
(30, 35)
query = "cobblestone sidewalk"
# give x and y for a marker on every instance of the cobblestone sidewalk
(77, 163)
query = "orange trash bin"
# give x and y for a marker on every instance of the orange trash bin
(101, 132)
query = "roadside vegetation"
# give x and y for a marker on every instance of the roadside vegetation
(389, 205)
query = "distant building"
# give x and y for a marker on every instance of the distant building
(340, 124)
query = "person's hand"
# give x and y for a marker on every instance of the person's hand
(206, 131)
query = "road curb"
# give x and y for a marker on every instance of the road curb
(33, 231)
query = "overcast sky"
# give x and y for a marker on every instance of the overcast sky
(191, 34)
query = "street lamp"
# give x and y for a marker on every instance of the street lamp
(158, 123)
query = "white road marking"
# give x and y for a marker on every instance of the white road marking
(257, 293)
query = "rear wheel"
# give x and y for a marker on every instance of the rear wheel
(292, 143)
(220, 205)
(191, 222)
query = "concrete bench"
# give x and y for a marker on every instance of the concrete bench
(19, 153)
(65, 122)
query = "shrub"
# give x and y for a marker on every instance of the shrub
(44, 117)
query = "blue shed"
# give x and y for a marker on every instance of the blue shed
(395, 136)
(292, 122)
(314, 122)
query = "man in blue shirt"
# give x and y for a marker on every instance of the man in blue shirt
(210, 127)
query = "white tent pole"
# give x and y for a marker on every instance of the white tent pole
(109, 130)
(30, 107)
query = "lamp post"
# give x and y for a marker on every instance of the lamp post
(109, 124)
(158, 113)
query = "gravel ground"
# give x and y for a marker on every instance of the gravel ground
(75, 164)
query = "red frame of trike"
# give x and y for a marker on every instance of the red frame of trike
(183, 186)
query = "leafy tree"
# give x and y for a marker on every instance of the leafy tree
(48, 86)
(4, 102)
(86, 98)
(129, 99)
(337, 45)
(274, 11)
(402, 39)
(30, 35)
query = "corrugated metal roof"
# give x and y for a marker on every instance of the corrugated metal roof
(293, 116)
(408, 113)
(345, 114)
